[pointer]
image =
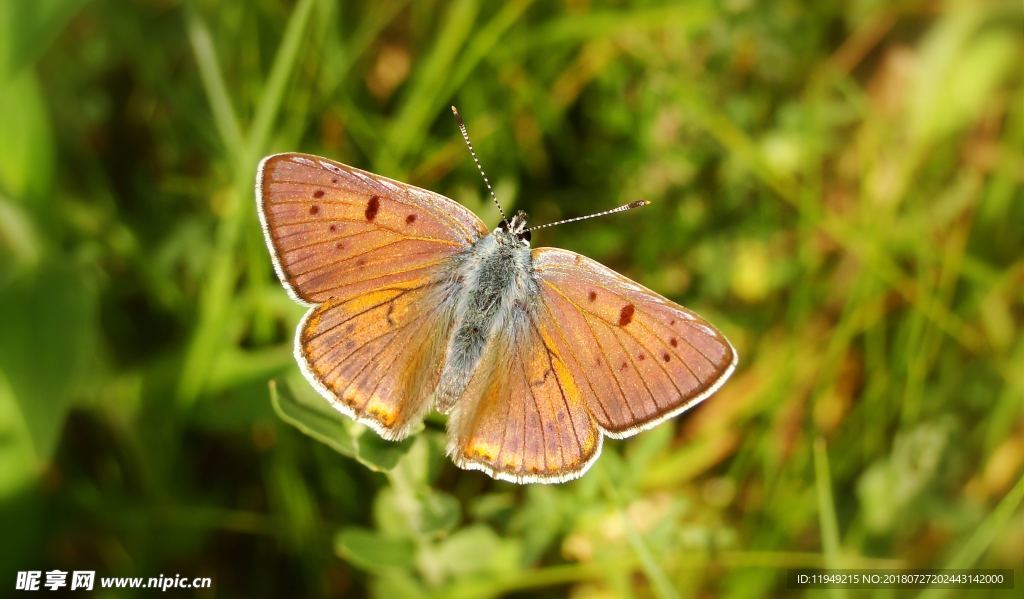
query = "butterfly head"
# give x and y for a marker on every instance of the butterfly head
(514, 232)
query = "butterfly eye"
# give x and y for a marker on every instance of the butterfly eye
(527, 236)
(503, 225)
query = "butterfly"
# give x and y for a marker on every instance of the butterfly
(535, 355)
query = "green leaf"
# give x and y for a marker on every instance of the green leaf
(419, 465)
(378, 454)
(27, 154)
(368, 550)
(411, 506)
(49, 318)
(475, 550)
(313, 422)
(397, 584)
(18, 463)
(318, 420)
(415, 513)
(440, 513)
(19, 240)
(27, 28)
(890, 489)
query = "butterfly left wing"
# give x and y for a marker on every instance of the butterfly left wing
(377, 357)
(369, 254)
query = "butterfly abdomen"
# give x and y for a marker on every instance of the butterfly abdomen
(497, 283)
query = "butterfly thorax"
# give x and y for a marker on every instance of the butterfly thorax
(493, 287)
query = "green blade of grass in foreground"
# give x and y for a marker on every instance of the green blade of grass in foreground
(827, 512)
(216, 294)
(655, 574)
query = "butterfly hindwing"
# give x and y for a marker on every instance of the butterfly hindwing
(637, 357)
(377, 357)
(336, 231)
(522, 417)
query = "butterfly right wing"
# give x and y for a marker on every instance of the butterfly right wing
(594, 353)
(523, 417)
(637, 357)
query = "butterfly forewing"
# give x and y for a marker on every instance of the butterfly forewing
(336, 231)
(637, 357)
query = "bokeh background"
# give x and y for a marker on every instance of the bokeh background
(836, 185)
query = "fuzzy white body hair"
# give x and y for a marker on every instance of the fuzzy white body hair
(492, 286)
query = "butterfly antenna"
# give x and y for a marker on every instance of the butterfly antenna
(629, 206)
(469, 144)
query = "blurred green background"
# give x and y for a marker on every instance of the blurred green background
(836, 185)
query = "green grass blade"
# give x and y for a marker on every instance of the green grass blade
(827, 512)
(424, 97)
(990, 528)
(216, 295)
(213, 82)
(280, 73)
(652, 570)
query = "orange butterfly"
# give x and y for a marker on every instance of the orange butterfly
(534, 354)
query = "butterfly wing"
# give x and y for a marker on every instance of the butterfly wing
(597, 353)
(522, 417)
(377, 357)
(369, 255)
(335, 231)
(636, 357)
